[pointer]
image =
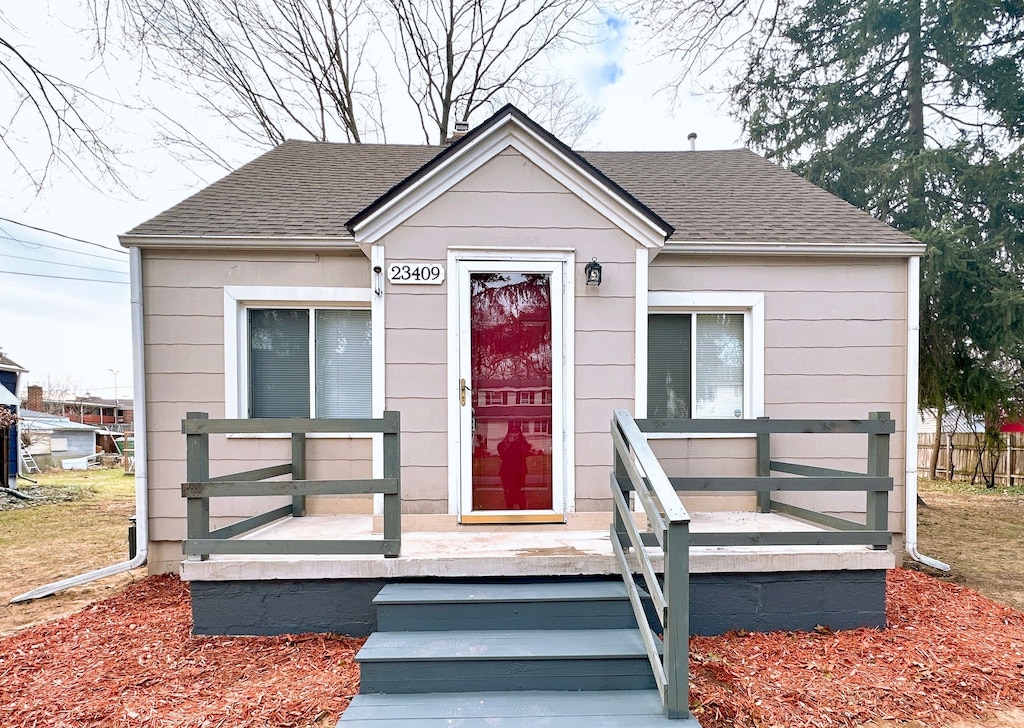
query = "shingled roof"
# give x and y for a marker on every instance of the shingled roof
(311, 189)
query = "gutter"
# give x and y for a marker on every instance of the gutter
(913, 362)
(141, 460)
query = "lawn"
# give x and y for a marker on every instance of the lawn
(79, 523)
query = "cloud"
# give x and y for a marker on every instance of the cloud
(604, 65)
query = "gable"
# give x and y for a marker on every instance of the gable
(507, 130)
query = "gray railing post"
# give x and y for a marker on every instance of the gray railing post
(298, 471)
(197, 470)
(764, 468)
(619, 470)
(392, 469)
(677, 620)
(877, 506)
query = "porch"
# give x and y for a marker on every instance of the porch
(779, 566)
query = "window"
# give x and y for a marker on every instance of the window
(309, 362)
(695, 365)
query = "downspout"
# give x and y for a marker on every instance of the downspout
(141, 467)
(913, 361)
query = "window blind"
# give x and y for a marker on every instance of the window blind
(719, 357)
(278, 363)
(344, 363)
(668, 365)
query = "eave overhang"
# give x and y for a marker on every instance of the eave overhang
(843, 250)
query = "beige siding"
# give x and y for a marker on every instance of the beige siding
(508, 203)
(835, 348)
(184, 332)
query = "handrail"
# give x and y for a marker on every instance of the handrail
(637, 464)
(201, 541)
(637, 469)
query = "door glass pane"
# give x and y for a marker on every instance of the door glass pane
(278, 363)
(510, 339)
(719, 366)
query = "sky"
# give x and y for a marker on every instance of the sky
(64, 294)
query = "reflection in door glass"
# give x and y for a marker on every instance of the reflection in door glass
(510, 330)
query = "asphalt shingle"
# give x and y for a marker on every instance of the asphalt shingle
(311, 189)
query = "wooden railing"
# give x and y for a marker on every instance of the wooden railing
(638, 470)
(200, 488)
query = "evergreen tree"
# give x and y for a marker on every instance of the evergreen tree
(913, 110)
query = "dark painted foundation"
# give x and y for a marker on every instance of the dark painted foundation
(719, 603)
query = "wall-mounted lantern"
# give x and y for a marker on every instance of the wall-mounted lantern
(593, 271)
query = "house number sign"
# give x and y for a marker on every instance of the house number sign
(416, 273)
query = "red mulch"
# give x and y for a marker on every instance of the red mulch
(947, 652)
(130, 661)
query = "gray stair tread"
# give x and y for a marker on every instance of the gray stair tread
(551, 644)
(411, 593)
(598, 709)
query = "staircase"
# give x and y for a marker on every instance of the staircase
(511, 655)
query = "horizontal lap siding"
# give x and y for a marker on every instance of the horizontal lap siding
(184, 350)
(508, 202)
(835, 348)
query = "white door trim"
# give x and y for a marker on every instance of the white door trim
(561, 266)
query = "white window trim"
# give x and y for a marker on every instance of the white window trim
(238, 299)
(751, 304)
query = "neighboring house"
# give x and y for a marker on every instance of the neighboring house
(113, 414)
(953, 421)
(451, 284)
(10, 375)
(53, 439)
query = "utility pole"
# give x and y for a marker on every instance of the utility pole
(115, 372)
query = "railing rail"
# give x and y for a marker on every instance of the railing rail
(201, 541)
(638, 470)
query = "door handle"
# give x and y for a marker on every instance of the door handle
(462, 391)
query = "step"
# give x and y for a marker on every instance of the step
(418, 607)
(493, 660)
(607, 709)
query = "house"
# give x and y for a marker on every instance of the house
(114, 414)
(10, 375)
(507, 294)
(52, 439)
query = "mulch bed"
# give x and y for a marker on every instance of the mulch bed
(130, 661)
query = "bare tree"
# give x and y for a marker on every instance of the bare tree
(458, 56)
(699, 34)
(269, 68)
(46, 114)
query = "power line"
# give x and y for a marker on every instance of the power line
(65, 250)
(61, 278)
(62, 235)
(65, 265)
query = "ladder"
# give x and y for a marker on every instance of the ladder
(28, 463)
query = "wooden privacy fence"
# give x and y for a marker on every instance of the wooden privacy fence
(962, 456)
(638, 470)
(200, 488)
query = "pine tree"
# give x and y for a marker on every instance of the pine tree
(913, 110)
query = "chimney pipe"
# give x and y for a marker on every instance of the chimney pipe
(461, 129)
(692, 137)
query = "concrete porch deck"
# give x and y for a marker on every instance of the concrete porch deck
(435, 547)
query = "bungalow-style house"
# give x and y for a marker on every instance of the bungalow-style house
(509, 297)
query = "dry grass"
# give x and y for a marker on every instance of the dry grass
(81, 524)
(978, 532)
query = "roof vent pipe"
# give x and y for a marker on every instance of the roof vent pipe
(692, 137)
